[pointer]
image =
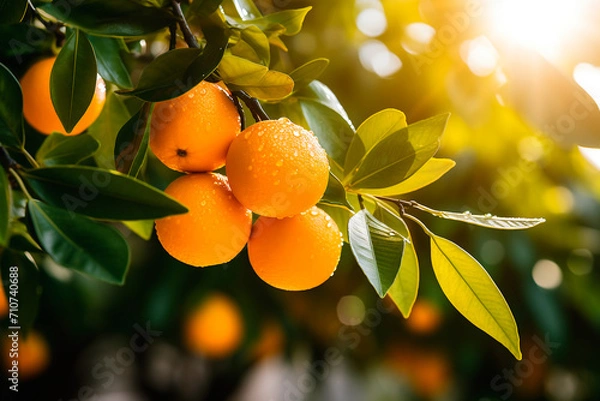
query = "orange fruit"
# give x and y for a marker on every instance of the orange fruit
(215, 328)
(216, 227)
(295, 253)
(33, 354)
(37, 103)
(424, 318)
(277, 168)
(192, 132)
(3, 301)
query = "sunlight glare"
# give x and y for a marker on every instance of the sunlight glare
(543, 25)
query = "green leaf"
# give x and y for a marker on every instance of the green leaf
(471, 290)
(286, 22)
(60, 149)
(20, 238)
(202, 8)
(23, 39)
(12, 11)
(252, 45)
(487, 220)
(73, 79)
(110, 64)
(377, 248)
(28, 285)
(399, 155)
(101, 193)
(131, 147)
(110, 17)
(115, 113)
(142, 228)
(11, 109)
(175, 72)
(331, 129)
(80, 243)
(335, 193)
(308, 72)
(370, 133)
(341, 215)
(405, 287)
(321, 93)
(431, 171)
(247, 9)
(5, 205)
(256, 79)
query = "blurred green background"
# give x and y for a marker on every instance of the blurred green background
(511, 73)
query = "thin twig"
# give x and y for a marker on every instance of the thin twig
(172, 36)
(188, 36)
(253, 104)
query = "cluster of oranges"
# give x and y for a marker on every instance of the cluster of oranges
(275, 169)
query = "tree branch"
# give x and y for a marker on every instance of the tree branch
(188, 36)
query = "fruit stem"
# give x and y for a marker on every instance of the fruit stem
(172, 36)
(189, 37)
(253, 104)
(240, 110)
(53, 27)
(20, 182)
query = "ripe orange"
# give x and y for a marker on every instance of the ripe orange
(3, 301)
(215, 328)
(192, 132)
(424, 318)
(37, 103)
(34, 354)
(215, 229)
(277, 168)
(295, 253)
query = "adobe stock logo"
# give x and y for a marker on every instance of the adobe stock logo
(504, 384)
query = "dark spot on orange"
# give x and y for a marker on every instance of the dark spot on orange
(181, 152)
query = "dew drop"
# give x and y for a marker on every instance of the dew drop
(249, 168)
(203, 203)
(261, 147)
(314, 213)
(295, 153)
(311, 153)
(279, 163)
(260, 133)
(276, 182)
(296, 134)
(488, 216)
(467, 214)
(329, 225)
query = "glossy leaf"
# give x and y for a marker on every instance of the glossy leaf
(131, 147)
(28, 284)
(431, 171)
(405, 287)
(142, 228)
(5, 206)
(308, 72)
(399, 155)
(341, 215)
(202, 8)
(377, 248)
(12, 11)
(110, 64)
(331, 129)
(247, 9)
(253, 45)
(20, 238)
(116, 112)
(335, 193)
(101, 193)
(487, 220)
(73, 79)
(471, 290)
(110, 17)
(175, 72)
(80, 243)
(286, 22)
(11, 109)
(256, 79)
(321, 93)
(371, 132)
(59, 149)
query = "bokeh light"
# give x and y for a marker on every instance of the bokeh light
(547, 274)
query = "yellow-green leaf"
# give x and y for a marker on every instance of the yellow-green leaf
(471, 290)
(431, 171)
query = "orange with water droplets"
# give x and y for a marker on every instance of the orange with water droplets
(295, 253)
(216, 227)
(215, 328)
(192, 132)
(277, 168)
(38, 109)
